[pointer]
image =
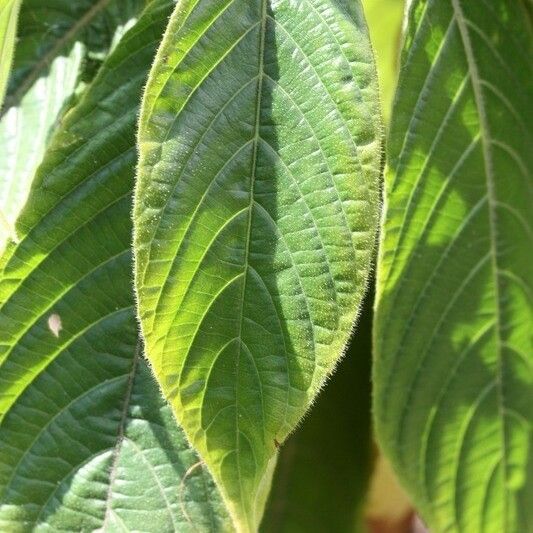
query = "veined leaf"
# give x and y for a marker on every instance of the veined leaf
(255, 217)
(323, 470)
(55, 43)
(9, 10)
(86, 440)
(454, 369)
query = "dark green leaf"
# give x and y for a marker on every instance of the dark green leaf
(454, 350)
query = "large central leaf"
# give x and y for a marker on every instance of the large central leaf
(454, 369)
(256, 213)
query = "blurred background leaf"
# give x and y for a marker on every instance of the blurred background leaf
(60, 44)
(384, 18)
(9, 10)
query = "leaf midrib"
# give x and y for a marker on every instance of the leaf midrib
(492, 202)
(121, 434)
(256, 139)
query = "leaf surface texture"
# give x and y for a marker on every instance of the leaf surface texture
(255, 217)
(454, 368)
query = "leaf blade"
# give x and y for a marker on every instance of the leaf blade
(385, 19)
(8, 29)
(450, 272)
(231, 337)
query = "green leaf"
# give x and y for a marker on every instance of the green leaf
(323, 470)
(86, 440)
(9, 10)
(58, 43)
(454, 352)
(255, 218)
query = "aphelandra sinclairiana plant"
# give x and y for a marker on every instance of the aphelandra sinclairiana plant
(190, 201)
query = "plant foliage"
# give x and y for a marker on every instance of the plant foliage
(190, 201)
(453, 374)
(8, 29)
(59, 44)
(86, 441)
(255, 220)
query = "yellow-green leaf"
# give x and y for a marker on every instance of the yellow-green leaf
(9, 10)
(255, 219)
